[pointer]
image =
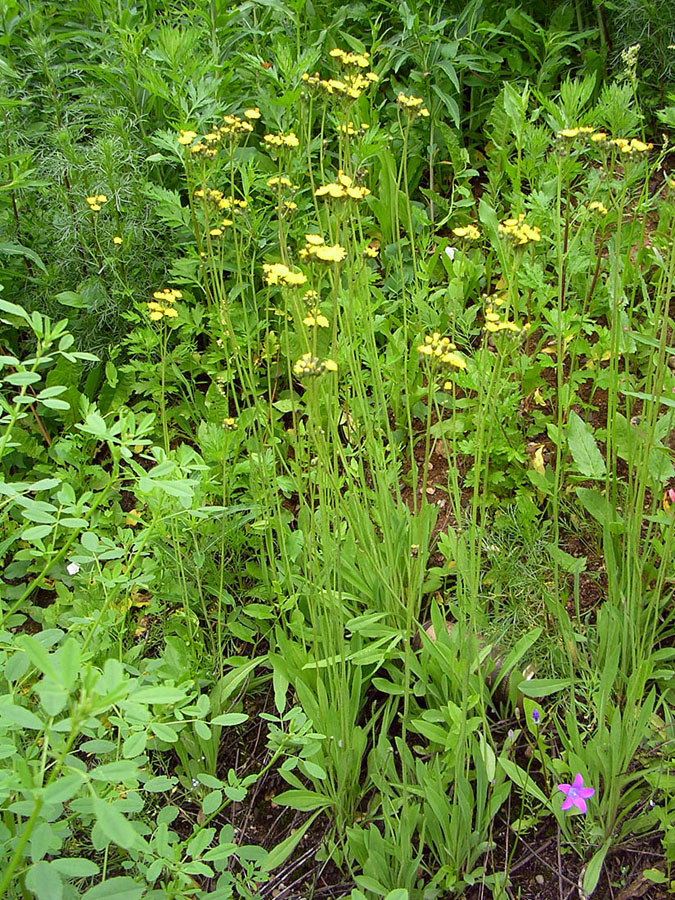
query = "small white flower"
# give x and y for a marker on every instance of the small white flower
(450, 252)
(72, 568)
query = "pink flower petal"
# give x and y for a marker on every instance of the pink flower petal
(580, 804)
(586, 792)
(578, 781)
(567, 804)
(565, 788)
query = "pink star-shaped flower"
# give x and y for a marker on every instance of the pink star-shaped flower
(575, 794)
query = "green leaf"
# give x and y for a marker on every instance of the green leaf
(164, 732)
(19, 379)
(134, 745)
(11, 248)
(36, 532)
(211, 802)
(38, 655)
(229, 719)
(14, 310)
(44, 881)
(521, 778)
(303, 800)
(160, 783)
(114, 825)
(543, 687)
(71, 298)
(17, 715)
(115, 772)
(62, 790)
(76, 867)
(55, 404)
(598, 506)
(159, 694)
(120, 888)
(584, 450)
(282, 851)
(593, 869)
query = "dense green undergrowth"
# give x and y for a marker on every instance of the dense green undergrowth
(336, 451)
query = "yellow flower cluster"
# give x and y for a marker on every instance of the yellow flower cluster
(230, 423)
(625, 145)
(519, 231)
(232, 204)
(278, 273)
(495, 323)
(235, 126)
(414, 106)
(162, 306)
(372, 251)
(280, 181)
(186, 137)
(470, 232)
(342, 189)
(252, 112)
(351, 86)
(442, 350)
(362, 60)
(309, 366)
(597, 206)
(317, 249)
(671, 183)
(571, 133)
(279, 141)
(315, 317)
(96, 202)
(351, 129)
(631, 146)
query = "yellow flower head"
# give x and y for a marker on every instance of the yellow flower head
(518, 231)
(315, 318)
(470, 232)
(597, 206)
(186, 137)
(309, 366)
(168, 295)
(278, 273)
(280, 141)
(159, 311)
(325, 253)
(252, 113)
(117, 239)
(412, 106)
(280, 181)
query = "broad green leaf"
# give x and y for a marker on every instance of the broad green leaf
(114, 825)
(120, 888)
(593, 869)
(584, 450)
(17, 715)
(134, 745)
(303, 800)
(159, 694)
(543, 687)
(282, 851)
(521, 778)
(76, 867)
(44, 881)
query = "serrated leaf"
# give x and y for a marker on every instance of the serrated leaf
(584, 450)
